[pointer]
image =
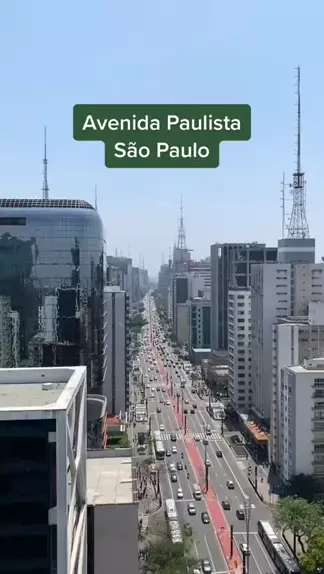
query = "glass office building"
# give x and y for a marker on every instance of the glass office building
(52, 273)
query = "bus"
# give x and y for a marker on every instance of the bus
(172, 520)
(158, 445)
(284, 561)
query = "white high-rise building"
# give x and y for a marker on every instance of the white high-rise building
(278, 290)
(294, 340)
(302, 420)
(239, 348)
(43, 444)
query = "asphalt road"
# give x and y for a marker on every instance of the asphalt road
(206, 544)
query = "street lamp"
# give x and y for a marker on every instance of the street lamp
(206, 469)
(247, 512)
(182, 399)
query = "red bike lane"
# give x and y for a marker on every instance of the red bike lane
(220, 525)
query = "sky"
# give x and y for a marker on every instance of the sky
(54, 55)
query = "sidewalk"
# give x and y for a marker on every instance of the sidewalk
(149, 500)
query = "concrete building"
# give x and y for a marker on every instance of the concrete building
(119, 272)
(112, 513)
(294, 340)
(296, 250)
(184, 287)
(117, 361)
(182, 326)
(277, 291)
(239, 349)
(202, 269)
(43, 507)
(199, 327)
(231, 267)
(302, 420)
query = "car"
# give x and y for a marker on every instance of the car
(194, 406)
(180, 493)
(179, 465)
(174, 477)
(173, 437)
(178, 395)
(244, 548)
(191, 509)
(155, 378)
(163, 390)
(161, 428)
(187, 529)
(226, 504)
(174, 450)
(185, 411)
(168, 452)
(197, 437)
(172, 467)
(158, 410)
(157, 388)
(206, 566)
(207, 462)
(205, 517)
(167, 403)
(240, 514)
(192, 411)
(230, 485)
(219, 454)
(205, 441)
(162, 401)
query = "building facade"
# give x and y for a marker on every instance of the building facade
(52, 261)
(277, 291)
(200, 327)
(43, 470)
(119, 272)
(117, 361)
(239, 349)
(231, 265)
(302, 420)
(294, 340)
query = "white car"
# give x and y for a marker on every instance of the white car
(244, 548)
(161, 428)
(174, 450)
(207, 462)
(167, 403)
(180, 493)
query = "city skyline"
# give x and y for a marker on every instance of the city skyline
(137, 205)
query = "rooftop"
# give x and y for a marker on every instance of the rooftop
(35, 389)
(109, 480)
(47, 203)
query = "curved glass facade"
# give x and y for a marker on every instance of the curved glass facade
(52, 271)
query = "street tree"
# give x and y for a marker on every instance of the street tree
(313, 560)
(300, 517)
(162, 556)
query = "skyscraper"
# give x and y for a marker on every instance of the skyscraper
(52, 261)
(231, 267)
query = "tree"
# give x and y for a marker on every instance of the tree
(300, 516)
(162, 556)
(313, 561)
(304, 486)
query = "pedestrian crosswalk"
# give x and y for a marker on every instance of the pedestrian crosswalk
(191, 435)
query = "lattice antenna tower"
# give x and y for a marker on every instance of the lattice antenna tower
(181, 243)
(45, 188)
(298, 226)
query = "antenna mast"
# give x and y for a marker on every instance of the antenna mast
(45, 188)
(298, 226)
(96, 197)
(181, 244)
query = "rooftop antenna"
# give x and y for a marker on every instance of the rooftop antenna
(116, 252)
(170, 258)
(129, 253)
(96, 204)
(181, 244)
(284, 200)
(298, 226)
(45, 188)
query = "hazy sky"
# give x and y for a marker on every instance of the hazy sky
(56, 54)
